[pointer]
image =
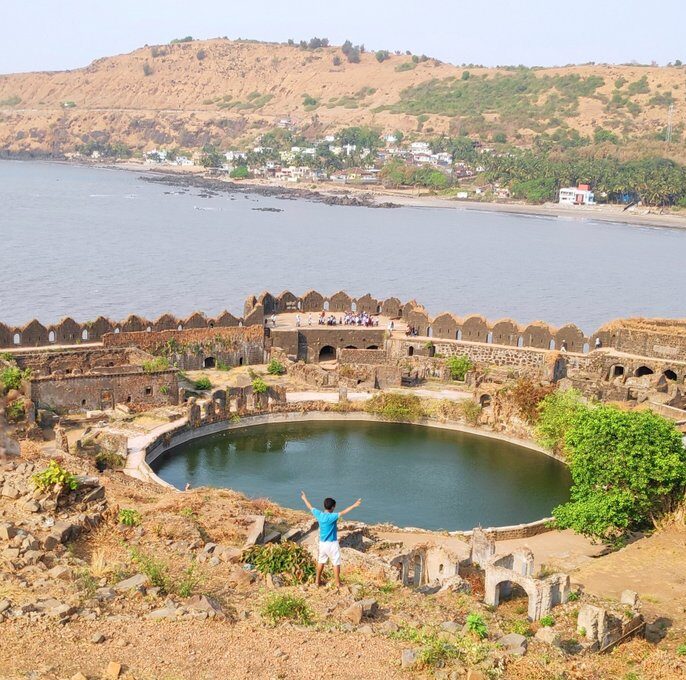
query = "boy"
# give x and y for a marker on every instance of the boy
(328, 535)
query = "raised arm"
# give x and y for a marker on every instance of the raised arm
(356, 504)
(305, 501)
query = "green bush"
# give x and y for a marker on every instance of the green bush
(681, 650)
(558, 413)
(240, 172)
(287, 559)
(12, 377)
(275, 367)
(54, 474)
(278, 608)
(189, 582)
(402, 407)
(406, 66)
(153, 568)
(382, 55)
(129, 518)
(628, 468)
(459, 366)
(471, 411)
(156, 365)
(547, 621)
(259, 386)
(476, 625)
(203, 383)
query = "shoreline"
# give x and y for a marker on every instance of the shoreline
(379, 197)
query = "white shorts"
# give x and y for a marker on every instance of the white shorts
(330, 550)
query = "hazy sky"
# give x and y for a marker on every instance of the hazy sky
(52, 34)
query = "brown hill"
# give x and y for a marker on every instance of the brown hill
(227, 92)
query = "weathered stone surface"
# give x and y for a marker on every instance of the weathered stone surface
(96, 494)
(132, 583)
(354, 613)
(408, 658)
(202, 603)
(514, 644)
(163, 613)
(369, 606)
(7, 531)
(113, 670)
(388, 627)
(256, 531)
(60, 572)
(455, 584)
(629, 597)
(4, 605)
(98, 639)
(451, 626)
(228, 554)
(549, 636)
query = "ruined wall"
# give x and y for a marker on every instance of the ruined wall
(95, 391)
(362, 356)
(311, 344)
(78, 361)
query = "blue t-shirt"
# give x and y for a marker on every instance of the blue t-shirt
(328, 527)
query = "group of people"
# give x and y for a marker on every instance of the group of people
(412, 330)
(346, 319)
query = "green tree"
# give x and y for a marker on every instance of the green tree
(558, 414)
(628, 468)
(459, 366)
(382, 55)
(240, 172)
(211, 157)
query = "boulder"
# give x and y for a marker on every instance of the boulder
(388, 627)
(629, 597)
(514, 644)
(7, 531)
(455, 584)
(98, 639)
(354, 613)
(133, 583)
(549, 636)
(60, 572)
(202, 603)
(113, 670)
(408, 659)
(369, 606)
(228, 554)
(96, 494)
(256, 531)
(451, 626)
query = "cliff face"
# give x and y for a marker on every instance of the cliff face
(223, 92)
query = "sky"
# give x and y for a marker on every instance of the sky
(52, 35)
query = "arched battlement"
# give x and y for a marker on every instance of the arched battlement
(287, 302)
(367, 304)
(225, 320)
(195, 320)
(391, 307)
(340, 302)
(134, 324)
(166, 322)
(571, 338)
(506, 332)
(538, 334)
(475, 329)
(445, 326)
(312, 301)
(34, 334)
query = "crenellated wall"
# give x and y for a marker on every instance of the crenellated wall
(659, 338)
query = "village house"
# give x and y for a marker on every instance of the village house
(581, 195)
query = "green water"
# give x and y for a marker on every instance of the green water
(406, 474)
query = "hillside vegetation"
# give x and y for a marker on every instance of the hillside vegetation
(192, 93)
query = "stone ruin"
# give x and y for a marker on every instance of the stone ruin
(427, 565)
(602, 628)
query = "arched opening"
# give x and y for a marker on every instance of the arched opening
(353, 306)
(643, 370)
(616, 371)
(327, 353)
(83, 402)
(16, 339)
(326, 305)
(410, 351)
(417, 568)
(148, 329)
(128, 399)
(551, 344)
(489, 338)
(51, 336)
(179, 327)
(240, 361)
(485, 400)
(211, 324)
(117, 330)
(520, 341)
(509, 590)
(431, 349)
(459, 334)
(84, 334)
(586, 348)
(670, 374)
(429, 332)
(209, 362)
(373, 347)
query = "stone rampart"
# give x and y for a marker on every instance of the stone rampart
(657, 338)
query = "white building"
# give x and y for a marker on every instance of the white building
(581, 195)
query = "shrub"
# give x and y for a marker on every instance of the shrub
(382, 55)
(54, 474)
(476, 625)
(628, 468)
(275, 367)
(129, 518)
(336, 60)
(547, 621)
(574, 596)
(471, 411)
(147, 69)
(287, 559)
(153, 568)
(406, 66)
(259, 386)
(203, 383)
(12, 377)
(393, 406)
(681, 650)
(201, 54)
(459, 366)
(278, 608)
(240, 172)
(155, 365)
(15, 411)
(557, 414)
(189, 582)
(527, 395)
